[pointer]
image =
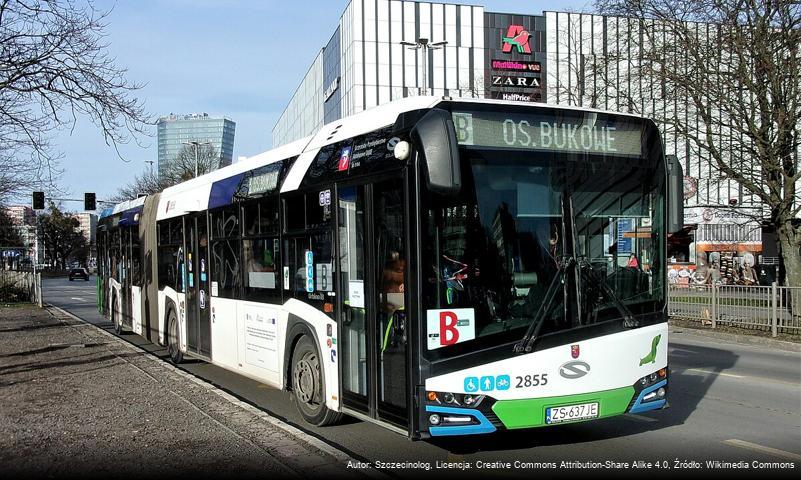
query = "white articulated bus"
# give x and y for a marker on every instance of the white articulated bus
(437, 266)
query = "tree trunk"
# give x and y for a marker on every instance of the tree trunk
(791, 256)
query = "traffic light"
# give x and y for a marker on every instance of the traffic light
(89, 201)
(38, 201)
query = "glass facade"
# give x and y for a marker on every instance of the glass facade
(552, 58)
(175, 130)
(364, 64)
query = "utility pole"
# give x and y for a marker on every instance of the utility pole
(422, 44)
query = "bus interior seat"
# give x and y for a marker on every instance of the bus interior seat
(523, 282)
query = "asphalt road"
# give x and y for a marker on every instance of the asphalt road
(729, 402)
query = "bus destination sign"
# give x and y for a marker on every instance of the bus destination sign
(538, 132)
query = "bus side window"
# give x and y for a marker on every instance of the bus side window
(170, 236)
(226, 270)
(310, 253)
(261, 251)
(294, 214)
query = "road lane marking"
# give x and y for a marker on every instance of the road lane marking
(710, 372)
(760, 448)
(78, 298)
(747, 377)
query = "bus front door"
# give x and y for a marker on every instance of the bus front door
(198, 320)
(373, 325)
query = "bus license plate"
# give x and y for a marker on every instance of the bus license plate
(571, 413)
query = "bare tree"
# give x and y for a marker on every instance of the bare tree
(183, 167)
(18, 174)
(475, 90)
(575, 82)
(9, 232)
(62, 239)
(146, 183)
(54, 67)
(737, 63)
(177, 171)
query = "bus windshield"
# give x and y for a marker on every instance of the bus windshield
(491, 252)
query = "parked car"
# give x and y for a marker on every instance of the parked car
(79, 273)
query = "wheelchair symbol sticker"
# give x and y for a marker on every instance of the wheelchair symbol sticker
(471, 384)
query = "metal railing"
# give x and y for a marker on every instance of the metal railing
(20, 286)
(773, 308)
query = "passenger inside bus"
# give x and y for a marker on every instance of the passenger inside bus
(259, 256)
(393, 304)
(392, 277)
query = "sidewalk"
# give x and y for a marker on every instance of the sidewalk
(77, 401)
(730, 334)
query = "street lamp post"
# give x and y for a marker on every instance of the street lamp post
(422, 44)
(196, 144)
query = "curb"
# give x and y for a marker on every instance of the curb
(315, 442)
(752, 340)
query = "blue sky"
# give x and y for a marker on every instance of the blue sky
(238, 58)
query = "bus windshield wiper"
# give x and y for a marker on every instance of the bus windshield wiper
(585, 271)
(589, 274)
(526, 344)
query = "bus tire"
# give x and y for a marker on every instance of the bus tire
(307, 385)
(173, 345)
(116, 318)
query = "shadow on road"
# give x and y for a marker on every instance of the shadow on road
(686, 389)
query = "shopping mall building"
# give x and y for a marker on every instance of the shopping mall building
(383, 50)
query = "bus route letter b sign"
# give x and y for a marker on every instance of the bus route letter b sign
(450, 326)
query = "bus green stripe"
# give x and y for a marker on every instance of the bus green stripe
(530, 412)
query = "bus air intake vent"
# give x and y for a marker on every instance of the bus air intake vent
(334, 132)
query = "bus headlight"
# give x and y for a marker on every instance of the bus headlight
(472, 400)
(402, 150)
(456, 399)
(654, 385)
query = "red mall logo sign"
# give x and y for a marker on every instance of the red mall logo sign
(516, 36)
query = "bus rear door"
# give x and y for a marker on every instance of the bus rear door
(198, 321)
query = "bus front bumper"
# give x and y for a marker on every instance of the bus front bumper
(446, 419)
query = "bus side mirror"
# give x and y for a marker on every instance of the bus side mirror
(435, 136)
(675, 195)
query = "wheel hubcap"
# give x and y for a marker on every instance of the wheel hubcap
(306, 378)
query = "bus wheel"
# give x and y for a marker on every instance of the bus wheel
(307, 385)
(176, 356)
(116, 318)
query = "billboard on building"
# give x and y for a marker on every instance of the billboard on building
(514, 58)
